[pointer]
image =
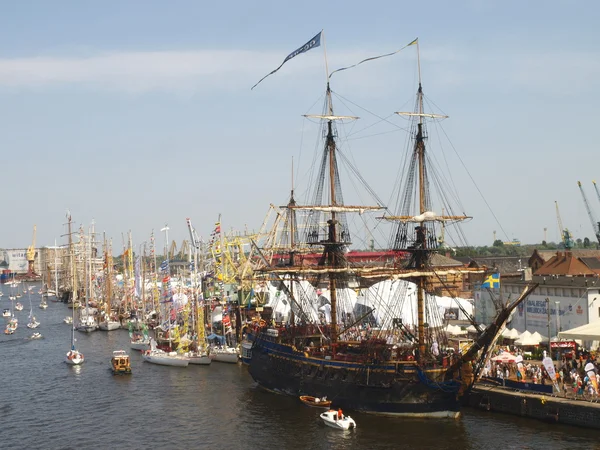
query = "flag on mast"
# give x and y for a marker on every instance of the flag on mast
(414, 42)
(314, 42)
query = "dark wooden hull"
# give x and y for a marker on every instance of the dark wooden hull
(380, 389)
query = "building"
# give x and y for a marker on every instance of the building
(568, 294)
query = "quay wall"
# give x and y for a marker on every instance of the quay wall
(542, 407)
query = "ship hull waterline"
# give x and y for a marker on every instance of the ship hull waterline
(404, 396)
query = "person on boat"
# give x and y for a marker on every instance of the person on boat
(340, 415)
(317, 400)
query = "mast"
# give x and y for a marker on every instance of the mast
(332, 259)
(55, 270)
(422, 251)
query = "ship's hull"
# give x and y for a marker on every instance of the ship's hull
(393, 390)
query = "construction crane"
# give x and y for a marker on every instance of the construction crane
(193, 236)
(565, 234)
(597, 191)
(184, 251)
(595, 224)
(172, 250)
(31, 254)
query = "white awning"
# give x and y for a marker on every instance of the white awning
(589, 332)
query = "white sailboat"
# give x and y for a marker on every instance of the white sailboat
(33, 323)
(87, 320)
(109, 323)
(199, 354)
(73, 357)
(222, 352)
(157, 356)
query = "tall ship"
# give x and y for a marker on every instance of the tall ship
(368, 336)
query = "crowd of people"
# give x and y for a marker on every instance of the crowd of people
(576, 377)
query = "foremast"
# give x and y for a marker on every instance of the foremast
(336, 238)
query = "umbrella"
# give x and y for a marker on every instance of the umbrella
(504, 357)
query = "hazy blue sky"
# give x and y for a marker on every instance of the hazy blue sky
(137, 113)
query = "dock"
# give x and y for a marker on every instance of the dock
(547, 407)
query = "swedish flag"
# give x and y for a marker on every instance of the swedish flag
(492, 282)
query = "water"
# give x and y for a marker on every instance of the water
(46, 404)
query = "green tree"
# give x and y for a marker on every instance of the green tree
(498, 243)
(586, 242)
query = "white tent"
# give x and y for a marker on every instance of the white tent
(399, 299)
(528, 338)
(472, 329)
(589, 332)
(454, 330)
(510, 333)
(539, 337)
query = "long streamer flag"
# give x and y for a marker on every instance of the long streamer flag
(415, 42)
(314, 42)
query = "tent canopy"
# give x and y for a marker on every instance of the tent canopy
(589, 332)
(528, 338)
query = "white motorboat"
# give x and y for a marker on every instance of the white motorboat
(74, 358)
(87, 324)
(157, 356)
(109, 325)
(43, 304)
(6, 313)
(224, 354)
(338, 421)
(19, 306)
(142, 343)
(33, 323)
(68, 320)
(36, 336)
(200, 358)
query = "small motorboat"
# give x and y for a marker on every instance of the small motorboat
(36, 336)
(6, 313)
(33, 323)
(120, 363)
(335, 419)
(19, 306)
(315, 402)
(74, 358)
(68, 320)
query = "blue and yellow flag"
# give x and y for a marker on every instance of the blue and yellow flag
(492, 282)
(314, 42)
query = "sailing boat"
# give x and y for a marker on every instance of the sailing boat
(138, 329)
(109, 323)
(331, 342)
(33, 323)
(87, 321)
(168, 326)
(73, 357)
(199, 354)
(13, 323)
(222, 351)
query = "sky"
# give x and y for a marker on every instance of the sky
(135, 114)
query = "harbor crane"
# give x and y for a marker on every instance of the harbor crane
(565, 234)
(595, 223)
(596, 188)
(31, 254)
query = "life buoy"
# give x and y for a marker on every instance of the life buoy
(262, 323)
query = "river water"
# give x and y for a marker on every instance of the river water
(46, 404)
